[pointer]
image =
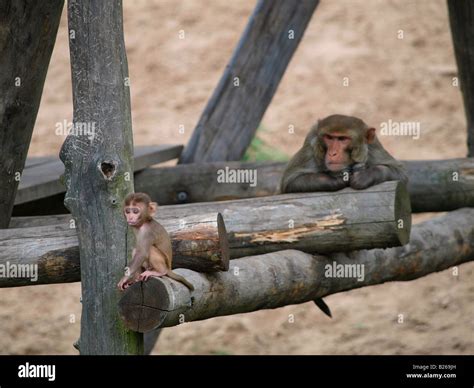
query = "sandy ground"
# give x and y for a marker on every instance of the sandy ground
(409, 79)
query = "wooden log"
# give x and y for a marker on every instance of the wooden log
(440, 185)
(99, 169)
(434, 185)
(291, 277)
(461, 18)
(322, 222)
(198, 182)
(27, 34)
(232, 115)
(199, 242)
(313, 222)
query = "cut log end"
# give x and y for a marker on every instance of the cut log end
(224, 243)
(144, 305)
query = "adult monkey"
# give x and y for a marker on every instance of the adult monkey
(339, 151)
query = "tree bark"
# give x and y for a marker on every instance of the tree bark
(291, 277)
(28, 31)
(461, 18)
(99, 169)
(233, 113)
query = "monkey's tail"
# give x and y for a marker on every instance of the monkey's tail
(180, 279)
(323, 306)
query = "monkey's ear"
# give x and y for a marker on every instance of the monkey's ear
(152, 208)
(370, 135)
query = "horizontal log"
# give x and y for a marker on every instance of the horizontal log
(441, 185)
(346, 220)
(199, 242)
(197, 182)
(434, 185)
(291, 277)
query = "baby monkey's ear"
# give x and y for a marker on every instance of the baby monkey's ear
(152, 208)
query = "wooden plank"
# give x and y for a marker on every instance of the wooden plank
(96, 170)
(291, 277)
(43, 180)
(461, 18)
(32, 161)
(27, 35)
(233, 113)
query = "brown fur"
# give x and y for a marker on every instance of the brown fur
(153, 252)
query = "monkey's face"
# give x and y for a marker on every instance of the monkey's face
(338, 146)
(136, 214)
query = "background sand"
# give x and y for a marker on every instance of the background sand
(407, 79)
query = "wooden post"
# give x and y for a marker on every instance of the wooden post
(233, 113)
(461, 18)
(27, 34)
(291, 277)
(98, 158)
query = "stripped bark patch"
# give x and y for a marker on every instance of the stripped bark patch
(328, 223)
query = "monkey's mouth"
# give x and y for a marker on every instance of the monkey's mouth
(336, 166)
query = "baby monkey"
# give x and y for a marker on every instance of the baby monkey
(153, 254)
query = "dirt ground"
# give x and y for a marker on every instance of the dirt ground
(409, 79)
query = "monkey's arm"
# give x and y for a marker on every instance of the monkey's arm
(373, 175)
(308, 182)
(140, 254)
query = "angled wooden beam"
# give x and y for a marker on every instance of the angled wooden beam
(233, 113)
(27, 34)
(99, 169)
(461, 18)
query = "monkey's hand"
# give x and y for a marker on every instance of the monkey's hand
(361, 179)
(124, 283)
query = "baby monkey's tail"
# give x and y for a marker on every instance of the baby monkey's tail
(180, 279)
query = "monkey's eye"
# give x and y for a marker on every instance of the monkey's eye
(135, 211)
(127, 211)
